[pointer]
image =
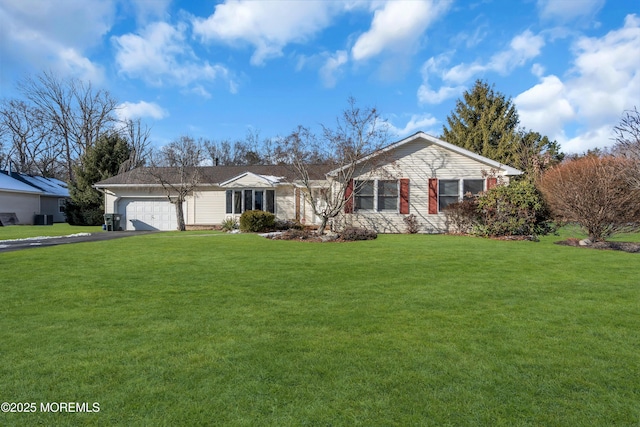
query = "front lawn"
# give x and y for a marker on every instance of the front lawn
(202, 328)
(26, 231)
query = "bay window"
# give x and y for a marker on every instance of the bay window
(238, 201)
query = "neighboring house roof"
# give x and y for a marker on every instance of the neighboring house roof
(12, 185)
(214, 175)
(49, 186)
(421, 135)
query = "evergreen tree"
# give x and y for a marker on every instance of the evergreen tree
(101, 161)
(485, 122)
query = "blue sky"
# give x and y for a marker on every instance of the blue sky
(217, 69)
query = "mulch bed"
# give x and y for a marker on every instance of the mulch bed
(631, 247)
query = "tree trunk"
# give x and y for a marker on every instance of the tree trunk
(180, 214)
(323, 225)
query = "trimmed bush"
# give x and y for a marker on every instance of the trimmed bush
(352, 234)
(257, 221)
(516, 209)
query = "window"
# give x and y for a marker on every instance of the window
(61, 204)
(453, 190)
(271, 201)
(229, 197)
(387, 195)
(364, 195)
(248, 200)
(472, 186)
(257, 200)
(448, 189)
(238, 201)
(376, 195)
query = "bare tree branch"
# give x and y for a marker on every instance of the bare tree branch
(176, 168)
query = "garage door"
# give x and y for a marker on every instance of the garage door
(147, 214)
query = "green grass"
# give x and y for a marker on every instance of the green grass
(25, 231)
(212, 329)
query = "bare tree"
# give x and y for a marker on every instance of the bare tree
(75, 114)
(176, 168)
(138, 137)
(31, 147)
(627, 136)
(595, 193)
(350, 148)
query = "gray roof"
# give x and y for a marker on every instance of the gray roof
(213, 175)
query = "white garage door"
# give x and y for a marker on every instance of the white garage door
(147, 214)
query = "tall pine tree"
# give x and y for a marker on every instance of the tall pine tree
(485, 122)
(101, 161)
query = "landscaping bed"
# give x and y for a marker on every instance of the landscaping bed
(631, 247)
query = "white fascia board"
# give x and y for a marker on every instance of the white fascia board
(269, 180)
(133, 185)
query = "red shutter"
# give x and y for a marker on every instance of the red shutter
(433, 195)
(404, 196)
(491, 182)
(348, 204)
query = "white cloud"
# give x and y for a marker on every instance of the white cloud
(161, 55)
(565, 11)
(435, 66)
(607, 72)
(417, 122)
(266, 25)
(44, 35)
(397, 25)
(426, 95)
(604, 81)
(131, 110)
(522, 48)
(545, 107)
(332, 67)
(148, 10)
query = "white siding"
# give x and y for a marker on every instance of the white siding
(209, 207)
(418, 161)
(285, 203)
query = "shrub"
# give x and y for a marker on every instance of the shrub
(257, 221)
(598, 193)
(463, 217)
(516, 209)
(412, 224)
(229, 224)
(352, 234)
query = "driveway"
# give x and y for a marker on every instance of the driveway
(39, 242)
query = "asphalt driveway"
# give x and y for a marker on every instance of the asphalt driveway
(16, 245)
